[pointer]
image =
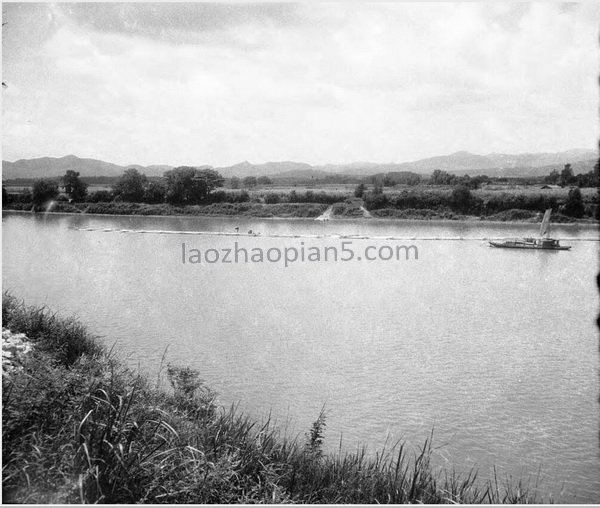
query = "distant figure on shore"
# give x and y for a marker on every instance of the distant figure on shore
(237, 229)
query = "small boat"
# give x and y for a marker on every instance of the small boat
(543, 242)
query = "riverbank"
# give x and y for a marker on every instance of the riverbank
(293, 211)
(78, 427)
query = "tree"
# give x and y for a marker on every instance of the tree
(154, 192)
(566, 175)
(553, 177)
(190, 185)
(212, 177)
(44, 190)
(574, 205)
(461, 198)
(130, 186)
(589, 179)
(359, 191)
(74, 187)
(234, 182)
(439, 177)
(250, 181)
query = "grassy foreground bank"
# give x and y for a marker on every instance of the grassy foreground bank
(78, 427)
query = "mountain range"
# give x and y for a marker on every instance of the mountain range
(494, 164)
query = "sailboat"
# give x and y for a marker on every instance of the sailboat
(543, 242)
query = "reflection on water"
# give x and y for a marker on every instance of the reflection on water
(494, 349)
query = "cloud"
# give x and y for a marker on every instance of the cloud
(178, 22)
(205, 83)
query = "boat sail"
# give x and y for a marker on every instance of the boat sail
(545, 227)
(543, 242)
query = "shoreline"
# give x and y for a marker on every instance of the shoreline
(465, 219)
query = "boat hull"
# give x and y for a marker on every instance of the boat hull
(528, 246)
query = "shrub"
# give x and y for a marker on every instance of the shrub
(25, 197)
(574, 206)
(461, 198)
(374, 201)
(272, 198)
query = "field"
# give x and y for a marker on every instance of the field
(588, 194)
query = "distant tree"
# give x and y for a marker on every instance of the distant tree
(589, 179)
(43, 191)
(566, 175)
(553, 177)
(377, 189)
(250, 181)
(130, 186)
(191, 185)
(74, 187)
(574, 206)
(234, 182)
(397, 177)
(470, 182)
(439, 177)
(4, 196)
(264, 180)
(461, 198)
(359, 191)
(477, 181)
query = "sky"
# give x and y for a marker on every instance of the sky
(216, 83)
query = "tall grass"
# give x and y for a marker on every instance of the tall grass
(65, 338)
(78, 427)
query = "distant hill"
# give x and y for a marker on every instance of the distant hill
(497, 164)
(493, 164)
(52, 167)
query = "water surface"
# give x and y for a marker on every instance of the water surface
(495, 350)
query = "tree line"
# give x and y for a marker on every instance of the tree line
(184, 185)
(187, 185)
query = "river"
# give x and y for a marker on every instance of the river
(495, 350)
